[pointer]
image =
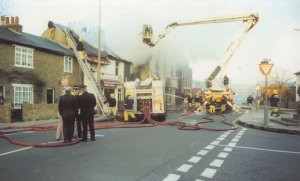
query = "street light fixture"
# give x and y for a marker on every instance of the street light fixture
(265, 68)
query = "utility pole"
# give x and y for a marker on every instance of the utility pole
(99, 46)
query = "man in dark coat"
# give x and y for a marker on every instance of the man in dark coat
(274, 99)
(67, 107)
(87, 102)
(250, 100)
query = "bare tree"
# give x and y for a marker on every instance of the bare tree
(4, 7)
(280, 77)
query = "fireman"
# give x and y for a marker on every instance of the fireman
(51, 28)
(112, 104)
(226, 82)
(274, 99)
(190, 99)
(198, 101)
(128, 107)
(212, 105)
(223, 104)
(80, 48)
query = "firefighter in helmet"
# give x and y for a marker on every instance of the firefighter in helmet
(128, 107)
(212, 105)
(226, 82)
(112, 104)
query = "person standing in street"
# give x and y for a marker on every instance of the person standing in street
(76, 92)
(87, 102)
(112, 104)
(67, 107)
(274, 99)
(250, 100)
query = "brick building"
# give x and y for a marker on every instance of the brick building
(31, 67)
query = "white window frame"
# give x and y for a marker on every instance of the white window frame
(68, 64)
(22, 93)
(23, 56)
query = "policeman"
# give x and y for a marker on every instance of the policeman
(274, 99)
(87, 102)
(67, 106)
(128, 107)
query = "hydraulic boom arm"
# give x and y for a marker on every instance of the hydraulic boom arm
(250, 19)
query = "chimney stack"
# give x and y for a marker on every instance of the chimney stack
(11, 23)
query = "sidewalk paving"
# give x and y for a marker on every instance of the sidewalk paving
(49, 122)
(255, 119)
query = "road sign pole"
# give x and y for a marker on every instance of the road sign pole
(265, 68)
(266, 114)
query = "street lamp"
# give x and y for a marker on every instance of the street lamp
(99, 46)
(265, 68)
(257, 87)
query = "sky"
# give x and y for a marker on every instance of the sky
(202, 47)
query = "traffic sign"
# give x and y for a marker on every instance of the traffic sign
(265, 68)
(64, 81)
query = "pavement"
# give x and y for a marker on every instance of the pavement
(255, 119)
(251, 119)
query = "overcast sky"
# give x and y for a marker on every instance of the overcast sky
(202, 46)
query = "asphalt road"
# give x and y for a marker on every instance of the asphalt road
(157, 153)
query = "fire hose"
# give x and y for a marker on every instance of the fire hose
(147, 121)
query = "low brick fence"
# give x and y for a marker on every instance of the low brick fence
(35, 112)
(5, 113)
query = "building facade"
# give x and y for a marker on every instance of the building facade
(32, 67)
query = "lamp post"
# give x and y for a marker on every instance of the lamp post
(257, 87)
(265, 68)
(99, 45)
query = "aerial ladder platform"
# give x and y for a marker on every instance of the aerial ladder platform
(85, 67)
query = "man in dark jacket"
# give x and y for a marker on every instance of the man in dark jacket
(67, 107)
(250, 100)
(87, 102)
(274, 99)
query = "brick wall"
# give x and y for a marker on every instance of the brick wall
(47, 71)
(35, 112)
(5, 113)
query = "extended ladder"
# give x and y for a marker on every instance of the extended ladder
(85, 67)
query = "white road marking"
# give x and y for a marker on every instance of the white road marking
(227, 149)
(220, 138)
(261, 149)
(215, 142)
(216, 163)
(52, 142)
(202, 152)
(226, 133)
(239, 134)
(99, 135)
(184, 168)
(223, 155)
(208, 173)
(172, 177)
(209, 147)
(14, 151)
(231, 144)
(198, 180)
(244, 129)
(223, 136)
(194, 159)
(237, 137)
(235, 140)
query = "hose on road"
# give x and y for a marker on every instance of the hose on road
(147, 121)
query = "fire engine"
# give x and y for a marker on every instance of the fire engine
(149, 94)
